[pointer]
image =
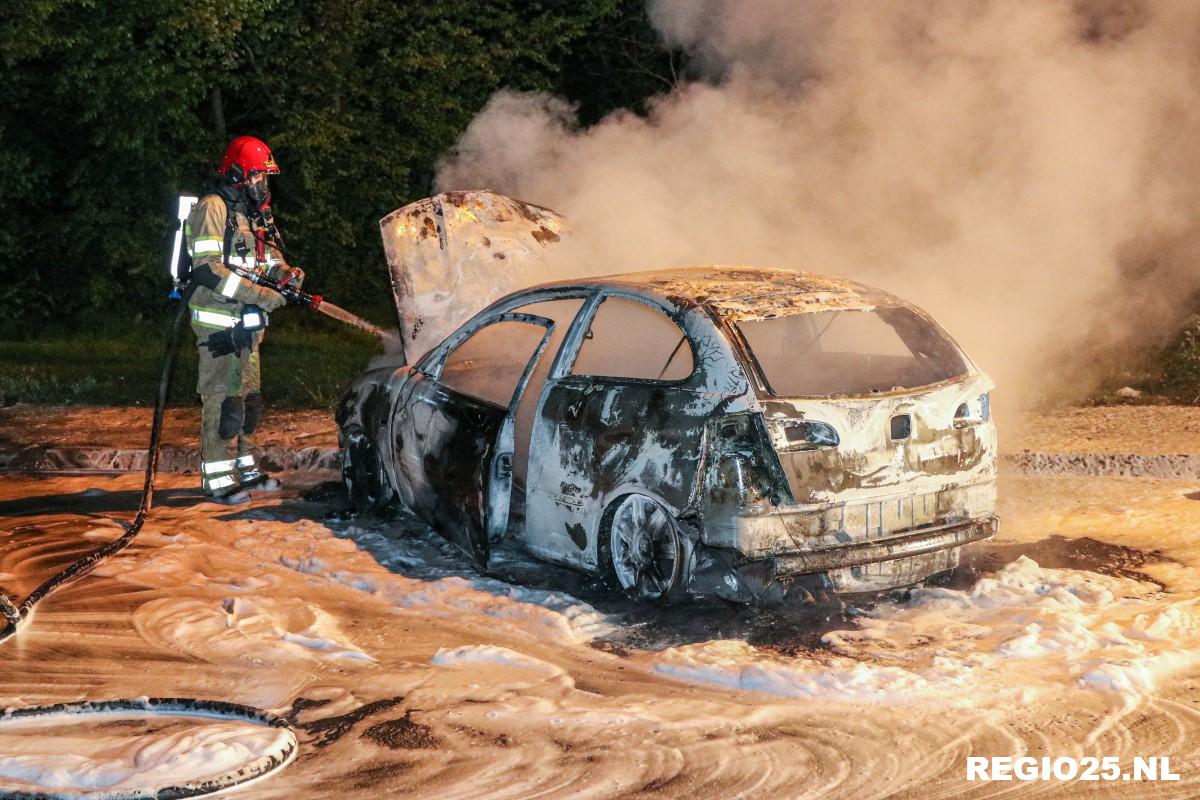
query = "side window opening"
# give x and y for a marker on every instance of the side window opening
(628, 339)
(489, 364)
(562, 313)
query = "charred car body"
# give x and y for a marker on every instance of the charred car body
(715, 430)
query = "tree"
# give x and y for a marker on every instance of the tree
(102, 126)
(110, 110)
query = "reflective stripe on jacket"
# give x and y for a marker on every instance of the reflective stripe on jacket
(205, 232)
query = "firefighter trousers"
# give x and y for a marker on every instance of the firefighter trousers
(230, 389)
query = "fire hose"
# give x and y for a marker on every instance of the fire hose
(281, 752)
(17, 615)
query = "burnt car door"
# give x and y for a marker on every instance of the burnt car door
(623, 414)
(453, 428)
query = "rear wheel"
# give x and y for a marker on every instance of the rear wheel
(362, 473)
(645, 549)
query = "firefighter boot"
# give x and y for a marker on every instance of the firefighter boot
(250, 473)
(218, 468)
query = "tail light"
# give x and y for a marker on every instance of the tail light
(743, 467)
(973, 412)
(791, 435)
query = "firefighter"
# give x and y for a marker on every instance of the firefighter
(231, 227)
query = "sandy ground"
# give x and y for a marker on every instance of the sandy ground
(1136, 429)
(407, 673)
(125, 427)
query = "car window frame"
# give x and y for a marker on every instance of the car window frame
(561, 371)
(432, 362)
(763, 389)
(455, 340)
(587, 296)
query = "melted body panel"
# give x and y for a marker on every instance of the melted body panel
(598, 439)
(367, 406)
(595, 442)
(868, 461)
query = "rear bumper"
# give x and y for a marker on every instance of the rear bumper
(788, 529)
(895, 561)
(905, 545)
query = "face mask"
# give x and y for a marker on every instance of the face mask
(258, 194)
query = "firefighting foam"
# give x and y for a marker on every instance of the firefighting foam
(1026, 172)
(402, 672)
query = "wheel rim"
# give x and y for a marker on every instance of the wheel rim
(645, 547)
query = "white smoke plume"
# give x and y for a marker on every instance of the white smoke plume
(1026, 170)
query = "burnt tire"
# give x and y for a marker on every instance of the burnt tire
(643, 550)
(362, 473)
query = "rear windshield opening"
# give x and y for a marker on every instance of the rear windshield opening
(849, 352)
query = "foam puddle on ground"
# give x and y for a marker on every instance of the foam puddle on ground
(267, 630)
(1023, 630)
(124, 752)
(439, 682)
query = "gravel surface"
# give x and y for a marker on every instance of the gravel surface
(104, 438)
(126, 427)
(1132, 429)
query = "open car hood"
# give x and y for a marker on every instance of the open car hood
(452, 254)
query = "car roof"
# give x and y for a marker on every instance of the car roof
(744, 293)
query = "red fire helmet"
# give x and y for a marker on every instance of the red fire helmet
(246, 156)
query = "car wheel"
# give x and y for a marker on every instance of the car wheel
(362, 473)
(646, 552)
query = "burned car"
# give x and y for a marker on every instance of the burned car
(723, 431)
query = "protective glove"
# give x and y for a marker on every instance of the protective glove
(271, 300)
(292, 276)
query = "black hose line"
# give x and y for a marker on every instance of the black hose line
(278, 755)
(15, 615)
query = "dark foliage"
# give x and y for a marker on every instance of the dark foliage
(110, 110)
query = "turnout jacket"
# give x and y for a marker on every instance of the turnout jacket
(216, 242)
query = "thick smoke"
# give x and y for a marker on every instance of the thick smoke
(1026, 170)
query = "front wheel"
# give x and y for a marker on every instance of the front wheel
(362, 472)
(646, 551)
